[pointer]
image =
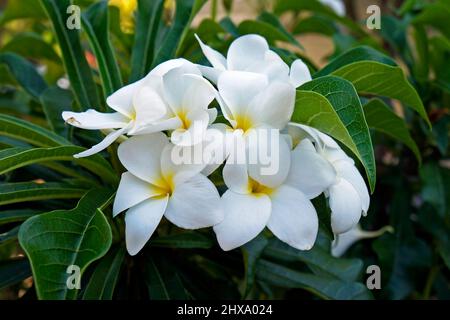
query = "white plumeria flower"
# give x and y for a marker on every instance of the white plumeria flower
(337, 5)
(252, 53)
(171, 97)
(251, 104)
(154, 186)
(280, 201)
(348, 196)
(345, 240)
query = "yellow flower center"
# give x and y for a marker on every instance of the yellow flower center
(257, 188)
(164, 185)
(185, 122)
(243, 122)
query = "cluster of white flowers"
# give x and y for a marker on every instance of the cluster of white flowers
(255, 90)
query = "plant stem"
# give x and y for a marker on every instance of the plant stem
(213, 10)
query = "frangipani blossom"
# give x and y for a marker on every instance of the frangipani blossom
(171, 97)
(280, 201)
(251, 53)
(344, 241)
(348, 196)
(252, 104)
(154, 187)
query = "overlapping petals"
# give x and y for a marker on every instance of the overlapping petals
(154, 187)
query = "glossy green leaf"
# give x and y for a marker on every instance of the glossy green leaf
(273, 20)
(315, 24)
(77, 68)
(14, 271)
(13, 158)
(95, 23)
(318, 260)
(103, 281)
(381, 118)
(28, 132)
(337, 111)
(183, 240)
(325, 287)
(434, 187)
(162, 279)
(17, 192)
(436, 15)
(55, 240)
(24, 73)
(361, 53)
(17, 215)
(374, 78)
(251, 253)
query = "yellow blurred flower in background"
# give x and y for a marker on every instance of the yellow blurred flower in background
(127, 8)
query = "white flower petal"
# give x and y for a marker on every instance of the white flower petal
(141, 221)
(215, 147)
(194, 204)
(293, 219)
(210, 73)
(271, 167)
(345, 206)
(161, 69)
(245, 217)
(158, 126)
(216, 59)
(310, 172)
(349, 172)
(246, 51)
(150, 106)
(179, 84)
(178, 163)
(105, 143)
(141, 155)
(238, 89)
(122, 99)
(299, 73)
(273, 106)
(94, 120)
(131, 192)
(194, 134)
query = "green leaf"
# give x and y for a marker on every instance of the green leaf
(17, 192)
(16, 10)
(374, 78)
(361, 53)
(24, 73)
(13, 158)
(95, 23)
(77, 68)
(148, 14)
(162, 280)
(8, 216)
(9, 236)
(325, 287)
(436, 15)
(434, 187)
(25, 131)
(103, 281)
(13, 271)
(315, 6)
(31, 45)
(55, 240)
(381, 118)
(317, 259)
(184, 14)
(273, 20)
(183, 240)
(252, 252)
(54, 101)
(337, 111)
(315, 24)
(264, 29)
